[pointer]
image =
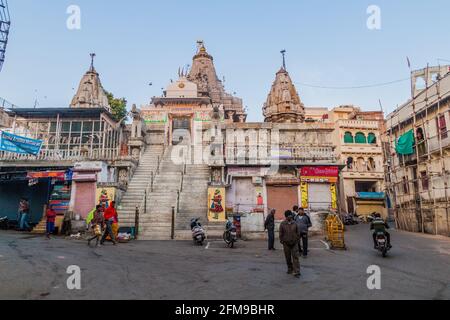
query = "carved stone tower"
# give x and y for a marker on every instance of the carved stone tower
(203, 73)
(90, 92)
(283, 103)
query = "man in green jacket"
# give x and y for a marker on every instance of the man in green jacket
(289, 237)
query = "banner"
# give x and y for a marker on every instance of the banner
(17, 144)
(333, 190)
(325, 171)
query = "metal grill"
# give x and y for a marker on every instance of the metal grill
(5, 23)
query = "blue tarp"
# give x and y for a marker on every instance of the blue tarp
(17, 144)
(371, 195)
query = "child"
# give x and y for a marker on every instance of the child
(51, 218)
(97, 223)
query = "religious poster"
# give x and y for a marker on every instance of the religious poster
(216, 204)
(333, 196)
(259, 199)
(105, 196)
(304, 193)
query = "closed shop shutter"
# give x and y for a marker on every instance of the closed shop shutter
(282, 198)
(319, 195)
(85, 198)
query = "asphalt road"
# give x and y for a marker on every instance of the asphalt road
(31, 267)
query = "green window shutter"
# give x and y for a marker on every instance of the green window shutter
(348, 138)
(372, 139)
(360, 138)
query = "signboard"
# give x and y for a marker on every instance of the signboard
(60, 175)
(216, 204)
(21, 145)
(320, 172)
(333, 196)
(247, 171)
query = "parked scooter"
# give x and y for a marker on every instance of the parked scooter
(4, 223)
(230, 234)
(382, 244)
(198, 233)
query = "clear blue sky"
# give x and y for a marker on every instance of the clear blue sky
(139, 41)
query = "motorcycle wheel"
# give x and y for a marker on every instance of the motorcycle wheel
(384, 253)
(231, 244)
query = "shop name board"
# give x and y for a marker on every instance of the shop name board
(329, 172)
(247, 172)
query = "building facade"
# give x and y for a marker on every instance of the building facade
(419, 161)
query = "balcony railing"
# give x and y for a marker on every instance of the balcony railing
(64, 155)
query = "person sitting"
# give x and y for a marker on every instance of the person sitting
(380, 226)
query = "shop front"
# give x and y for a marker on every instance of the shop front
(40, 188)
(318, 188)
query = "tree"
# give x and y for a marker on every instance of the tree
(118, 106)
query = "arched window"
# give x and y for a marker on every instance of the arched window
(350, 163)
(371, 165)
(348, 138)
(360, 138)
(361, 164)
(372, 138)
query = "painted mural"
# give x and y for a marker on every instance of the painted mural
(304, 193)
(155, 117)
(105, 196)
(216, 204)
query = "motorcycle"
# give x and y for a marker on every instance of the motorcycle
(350, 219)
(230, 234)
(198, 233)
(382, 244)
(4, 223)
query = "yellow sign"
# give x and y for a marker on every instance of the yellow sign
(333, 196)
(105, 196)
(216, 204)
(304, 193)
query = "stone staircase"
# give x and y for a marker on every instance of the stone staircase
(156, 224)
(138, 184)
(193, 200)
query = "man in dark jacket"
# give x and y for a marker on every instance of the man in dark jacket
(304, 223)
(269, 225)
(289, 236)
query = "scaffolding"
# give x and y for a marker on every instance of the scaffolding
(5, 23)
(418, 188)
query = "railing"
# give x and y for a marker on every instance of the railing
(64, 155)
(288, 152)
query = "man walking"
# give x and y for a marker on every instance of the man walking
(110, 216)
(289, 236)
(304, 223)
(269, 225)
(24, 210)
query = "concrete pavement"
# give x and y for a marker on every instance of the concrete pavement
(31, 267)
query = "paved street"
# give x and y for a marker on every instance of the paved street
(35, 268)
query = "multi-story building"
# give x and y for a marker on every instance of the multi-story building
(358, 140)
(419, 157)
